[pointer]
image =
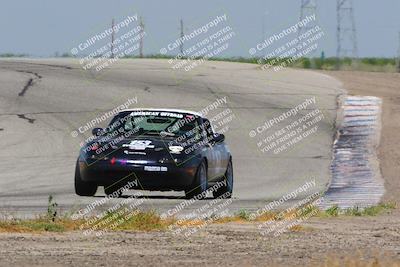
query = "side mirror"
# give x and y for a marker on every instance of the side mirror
(219, 138)
(97, 131)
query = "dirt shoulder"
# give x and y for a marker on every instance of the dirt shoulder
(230, 244)
(386, 86)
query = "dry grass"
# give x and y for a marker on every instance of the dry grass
(38, 225)
(137, 220)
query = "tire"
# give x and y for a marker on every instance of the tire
(200, 183)
(111, 189)
(82, 188)
(222, 192)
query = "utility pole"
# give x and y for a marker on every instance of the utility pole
(263, 22)
(398, 56)
(181, 42)
(346, 31)
(141, 38)
(112, 38)
(308, 8)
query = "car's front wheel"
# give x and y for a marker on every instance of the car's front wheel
(83, 188)
(225, 191)
(199, 186)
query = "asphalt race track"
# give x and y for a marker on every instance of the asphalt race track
(43, 101)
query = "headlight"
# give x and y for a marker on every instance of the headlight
(169, 160)
(175, 149)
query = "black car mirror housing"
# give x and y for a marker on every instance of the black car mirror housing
(219, 138)
(97, 131)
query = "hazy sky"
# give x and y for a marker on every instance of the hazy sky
(42, 27)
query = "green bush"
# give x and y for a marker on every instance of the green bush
(333, 211)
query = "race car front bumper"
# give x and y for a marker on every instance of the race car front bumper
(147, 175)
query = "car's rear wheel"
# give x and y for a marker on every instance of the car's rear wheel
(225, 191)
(200, 184)
(83, 188)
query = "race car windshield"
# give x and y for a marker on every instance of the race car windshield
(156, 123)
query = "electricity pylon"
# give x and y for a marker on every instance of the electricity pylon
(308, 8)
(346, 31)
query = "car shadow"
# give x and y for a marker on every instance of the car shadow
(152, 197)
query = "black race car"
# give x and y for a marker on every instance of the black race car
(155, 149)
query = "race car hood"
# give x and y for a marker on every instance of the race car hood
(143, 145)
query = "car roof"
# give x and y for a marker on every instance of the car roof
(165, 109)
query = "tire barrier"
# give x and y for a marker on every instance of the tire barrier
(356, 178)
